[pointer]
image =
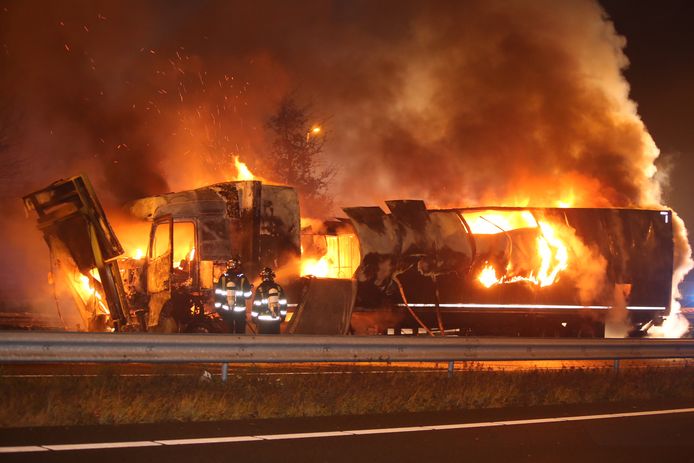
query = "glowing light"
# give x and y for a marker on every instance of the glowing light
(315, 130)
(139, 254)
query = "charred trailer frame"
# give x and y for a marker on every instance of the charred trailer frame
(419, 271)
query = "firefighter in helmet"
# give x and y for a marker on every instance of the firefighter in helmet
(231, 293)
(269, 305)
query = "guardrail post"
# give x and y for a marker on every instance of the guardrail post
(225, 372)
(616, 366)
(451, 366)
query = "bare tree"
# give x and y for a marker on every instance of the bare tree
(294, 154)
(11, 162)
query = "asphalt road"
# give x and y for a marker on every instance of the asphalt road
(619, 433)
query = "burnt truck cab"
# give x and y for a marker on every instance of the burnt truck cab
(194, 233)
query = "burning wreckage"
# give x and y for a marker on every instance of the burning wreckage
(491, 270)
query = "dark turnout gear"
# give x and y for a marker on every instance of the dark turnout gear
(269, 305)
(231, 293)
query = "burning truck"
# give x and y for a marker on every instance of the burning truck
(411, 270)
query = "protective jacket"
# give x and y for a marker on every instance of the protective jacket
(231, 292)
(270, 303)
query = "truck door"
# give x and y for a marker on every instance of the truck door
(159, 267)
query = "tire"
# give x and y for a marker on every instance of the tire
(167, 325)
(207, 326)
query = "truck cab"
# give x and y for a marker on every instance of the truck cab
(194, 233)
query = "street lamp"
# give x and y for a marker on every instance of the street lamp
(315, 130)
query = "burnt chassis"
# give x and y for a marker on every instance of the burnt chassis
(394, 297)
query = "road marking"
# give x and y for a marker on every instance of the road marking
(27, 448)
(319, 434)
(304, 435)
(100, 445)
(208, 440)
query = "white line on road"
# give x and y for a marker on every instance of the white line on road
(100, 445)
(22, 449)
(208, 440)
(313, 435)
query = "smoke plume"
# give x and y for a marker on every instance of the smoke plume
(459, 103)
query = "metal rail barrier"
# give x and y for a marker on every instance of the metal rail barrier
(35, 347)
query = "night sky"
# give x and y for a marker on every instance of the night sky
(660, 47)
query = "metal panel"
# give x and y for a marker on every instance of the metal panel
(81, 239)
(279, 232)
(326, 308)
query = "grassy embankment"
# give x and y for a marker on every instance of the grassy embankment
(111, 399)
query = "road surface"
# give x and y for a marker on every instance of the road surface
(604, 433)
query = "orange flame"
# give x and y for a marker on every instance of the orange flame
(315, 267)
(492, 222)
(340, 257)
(552, 253)
(488, 276)
(88, 293)
(242, 170)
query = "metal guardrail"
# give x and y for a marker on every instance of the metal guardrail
(34, 347)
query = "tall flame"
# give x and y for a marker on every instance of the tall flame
(242, 170)
(338, 257)
(488, 276)
(315, 267)
(82, 284)
(553, 257)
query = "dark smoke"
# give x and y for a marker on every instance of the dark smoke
(461, 102)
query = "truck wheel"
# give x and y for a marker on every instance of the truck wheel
(99, 323)
(166, 325)
(207, 326)
(198, 328)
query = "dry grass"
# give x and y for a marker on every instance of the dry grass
(112, 399)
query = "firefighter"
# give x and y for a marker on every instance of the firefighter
(231, 293)
(269, 304)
